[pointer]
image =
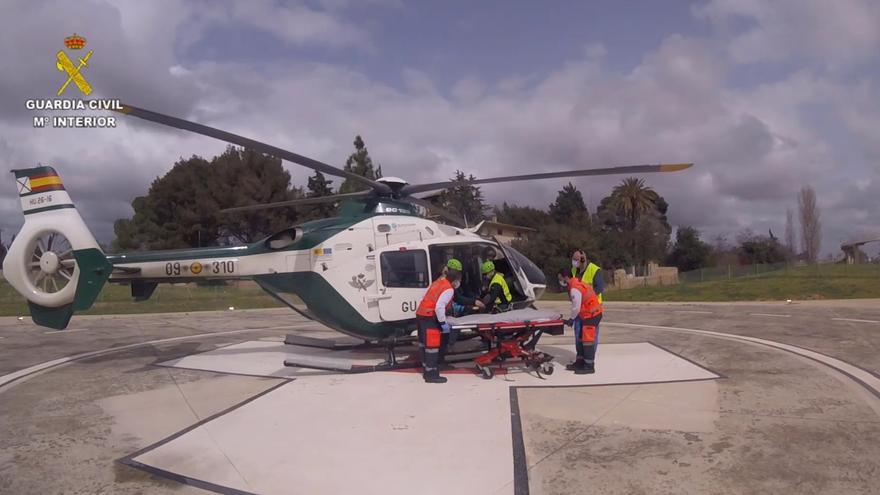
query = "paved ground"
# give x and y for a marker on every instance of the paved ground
(776, 422)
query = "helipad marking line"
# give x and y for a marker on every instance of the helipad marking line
(63, 332)
(861, 376)
(855, 320)
(769, 314)
(11, 377)
(695, 312)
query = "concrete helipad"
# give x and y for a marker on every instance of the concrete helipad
(687, 399)
(462, 436)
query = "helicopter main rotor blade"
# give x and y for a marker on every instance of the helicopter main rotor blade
(251, 144)
(631, 169)
(304, 201)
(448, 215)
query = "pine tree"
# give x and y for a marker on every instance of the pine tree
(361, 164)
(569, 207)
(464, 199)
(180, 208)
(318, 187)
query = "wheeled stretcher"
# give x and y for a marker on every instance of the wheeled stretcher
(512, 335)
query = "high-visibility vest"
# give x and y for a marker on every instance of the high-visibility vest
(499, 279)
(590, 306)
(588, 276)
(429, 302)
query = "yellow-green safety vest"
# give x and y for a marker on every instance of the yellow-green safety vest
(589, 275)
(499, 279)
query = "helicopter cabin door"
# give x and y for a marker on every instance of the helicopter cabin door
(403, 280)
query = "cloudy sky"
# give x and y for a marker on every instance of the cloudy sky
(765, 97)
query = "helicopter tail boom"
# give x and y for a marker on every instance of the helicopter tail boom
(54, 261)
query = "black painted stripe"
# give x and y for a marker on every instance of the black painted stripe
(520, 466)
(48, 208)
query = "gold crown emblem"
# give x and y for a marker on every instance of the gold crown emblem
(75, 42)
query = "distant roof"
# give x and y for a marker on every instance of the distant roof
(490, 224)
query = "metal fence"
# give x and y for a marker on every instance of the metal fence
(818, 270)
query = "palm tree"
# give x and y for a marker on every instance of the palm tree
(632, 198)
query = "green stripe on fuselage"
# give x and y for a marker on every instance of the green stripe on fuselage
(329, 307)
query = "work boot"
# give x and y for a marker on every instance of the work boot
(586, 369)
(576, 364)
(433, 376)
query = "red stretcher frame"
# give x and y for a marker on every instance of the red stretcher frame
(514, 340)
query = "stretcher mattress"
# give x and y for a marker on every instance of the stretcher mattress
(517, 316)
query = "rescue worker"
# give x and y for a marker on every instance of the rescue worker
(586, 313)
(587, 272)
(464, 304)
(498, 293)
(431, 319)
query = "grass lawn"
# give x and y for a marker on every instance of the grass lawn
(824, 282)
(116, 299)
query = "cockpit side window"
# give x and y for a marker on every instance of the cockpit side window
(283, 239)
(404, 269)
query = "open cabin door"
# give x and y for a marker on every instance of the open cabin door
(403, 279)
(531, 279)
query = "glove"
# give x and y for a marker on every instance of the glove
(445, 328)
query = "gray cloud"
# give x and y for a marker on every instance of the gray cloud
(836, 34)
(754, 146)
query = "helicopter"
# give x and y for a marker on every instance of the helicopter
(361, 273)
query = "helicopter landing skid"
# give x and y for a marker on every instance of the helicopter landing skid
(350, 366)
(391, 362)
(343, 344)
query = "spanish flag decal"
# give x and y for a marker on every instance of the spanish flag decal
(40, 179)
(40, 190)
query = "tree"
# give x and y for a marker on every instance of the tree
(551, 247)
(811, 227)
(633, 223)
(361, 164)
(632, 198)
(569, 207)
(525, 216)
(754, 249)
(464, 199)
(789, 233)
(180, 208)
(319, 186)
(689, 252)
(722, 253)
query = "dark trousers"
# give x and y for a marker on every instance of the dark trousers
(587, 352)
(430, 356)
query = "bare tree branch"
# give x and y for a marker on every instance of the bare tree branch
(811, 227)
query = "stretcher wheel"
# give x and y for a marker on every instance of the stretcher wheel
(547, 368)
